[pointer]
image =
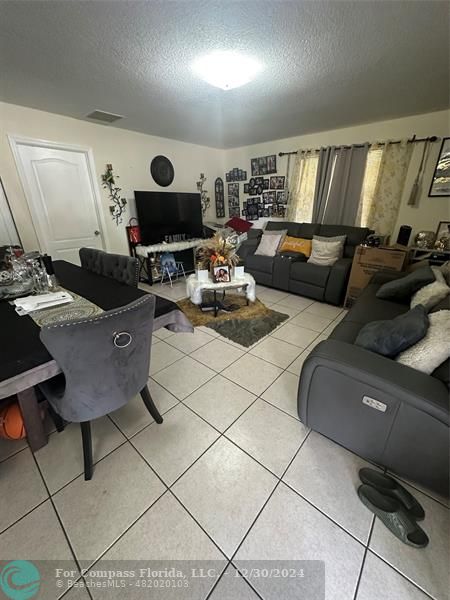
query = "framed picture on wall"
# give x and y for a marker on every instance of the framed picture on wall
(440, 184)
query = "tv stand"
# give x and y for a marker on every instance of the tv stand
(149, 255)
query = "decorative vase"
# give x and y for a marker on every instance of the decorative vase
(425, 239)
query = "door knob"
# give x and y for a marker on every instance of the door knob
(96, 232)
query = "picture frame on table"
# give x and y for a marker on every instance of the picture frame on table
(221, 274)
(443, 230)
(440, 182)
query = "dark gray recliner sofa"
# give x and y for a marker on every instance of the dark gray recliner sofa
(291, 272)
(409, 431)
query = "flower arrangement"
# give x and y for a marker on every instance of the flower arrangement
(217, 251)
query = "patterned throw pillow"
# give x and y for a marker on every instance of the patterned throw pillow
(295, 244)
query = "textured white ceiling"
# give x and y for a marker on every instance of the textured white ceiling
(327, 64)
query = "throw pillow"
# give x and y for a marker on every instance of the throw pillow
(433, 349)
(239, 224)
(295, 244)
(325, 253)
(334, 238)
(433, 293)
(281, 232)
(405, 287)
(389, 338)
(268, 245)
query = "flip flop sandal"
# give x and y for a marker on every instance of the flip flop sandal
(390, 487)
(394, 516)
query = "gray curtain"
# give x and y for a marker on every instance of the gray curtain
(324, 171)
(339, 183)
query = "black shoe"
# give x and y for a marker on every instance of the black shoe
(390, 487)
(394, 516)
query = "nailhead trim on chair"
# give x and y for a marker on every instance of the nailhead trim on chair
(112, 313)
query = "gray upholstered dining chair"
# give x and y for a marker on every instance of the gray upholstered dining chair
(124, 269)
(105, 362)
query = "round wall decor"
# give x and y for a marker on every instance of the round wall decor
(162, 170)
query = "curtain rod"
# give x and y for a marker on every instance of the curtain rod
(413, 140)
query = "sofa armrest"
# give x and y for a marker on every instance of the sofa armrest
(248, 247)
(337, 281)
(388, 378)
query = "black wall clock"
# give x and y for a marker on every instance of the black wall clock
(162, 170)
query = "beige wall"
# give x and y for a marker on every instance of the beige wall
(130, 154)
(428, 211)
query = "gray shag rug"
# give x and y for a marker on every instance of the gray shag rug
(248, 331)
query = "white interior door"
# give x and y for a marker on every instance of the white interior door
(58, 184)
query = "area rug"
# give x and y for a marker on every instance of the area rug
(244, 325)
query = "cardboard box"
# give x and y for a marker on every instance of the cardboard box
(367, 261)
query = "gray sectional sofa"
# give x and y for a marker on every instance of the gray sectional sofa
(406, 429)
(291, 271)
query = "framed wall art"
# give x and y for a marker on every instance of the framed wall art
(264, 165)
(220, 198)
(233, 200)
(440, 184)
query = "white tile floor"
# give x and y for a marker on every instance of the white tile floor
(231, 475)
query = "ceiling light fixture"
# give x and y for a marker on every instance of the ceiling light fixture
(226, 69)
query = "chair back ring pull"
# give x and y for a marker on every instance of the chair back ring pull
(117, 337)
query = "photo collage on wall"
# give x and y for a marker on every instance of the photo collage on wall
(220, 198)
(234, 209)
(267, 196)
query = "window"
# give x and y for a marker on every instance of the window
(369, 184)
(303, 187)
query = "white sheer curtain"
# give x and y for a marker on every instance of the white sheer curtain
(383, 185)
(302, 186)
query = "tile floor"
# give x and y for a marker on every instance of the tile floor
(231, 475)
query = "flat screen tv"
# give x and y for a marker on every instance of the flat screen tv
(168, 216)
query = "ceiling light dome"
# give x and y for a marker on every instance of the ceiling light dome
(226, 69)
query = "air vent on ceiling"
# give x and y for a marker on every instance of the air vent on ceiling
(103, 117)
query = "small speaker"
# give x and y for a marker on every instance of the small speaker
(404, 234)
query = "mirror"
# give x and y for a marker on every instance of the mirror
(8, 231)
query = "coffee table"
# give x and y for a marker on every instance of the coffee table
(195, 289)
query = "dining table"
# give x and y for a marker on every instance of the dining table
(24, 360)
